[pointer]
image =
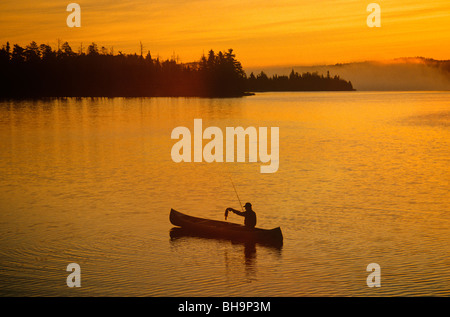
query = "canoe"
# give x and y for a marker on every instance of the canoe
(226, 230)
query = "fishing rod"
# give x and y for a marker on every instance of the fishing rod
(240, 204)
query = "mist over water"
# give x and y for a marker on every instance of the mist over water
(404, 74)
(362, 178)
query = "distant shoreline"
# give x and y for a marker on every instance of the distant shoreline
(399, 74)
(38, 71)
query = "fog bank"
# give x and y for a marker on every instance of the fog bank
(399, 74)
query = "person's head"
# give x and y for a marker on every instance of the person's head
(248, 206)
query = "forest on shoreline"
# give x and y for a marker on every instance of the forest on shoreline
(37, 71)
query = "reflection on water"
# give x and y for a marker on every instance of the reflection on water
(441, 118)
(236, 255)
(249, 254)
(249, 249)
(363, 178)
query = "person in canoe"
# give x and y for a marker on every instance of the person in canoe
(249, 214)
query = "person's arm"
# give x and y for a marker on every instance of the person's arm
(237, 212)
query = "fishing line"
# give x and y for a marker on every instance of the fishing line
(236, 194)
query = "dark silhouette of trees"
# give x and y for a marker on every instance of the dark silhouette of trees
(40, 71)
(222, 73)
(297, 82)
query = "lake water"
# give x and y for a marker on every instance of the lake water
(363, 178)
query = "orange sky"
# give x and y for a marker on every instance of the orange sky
(262, 32)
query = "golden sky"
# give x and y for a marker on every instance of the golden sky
(262, 32)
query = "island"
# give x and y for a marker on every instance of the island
(39, 71)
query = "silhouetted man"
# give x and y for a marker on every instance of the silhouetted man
(249, 214)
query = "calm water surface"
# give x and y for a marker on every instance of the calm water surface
(363, 177)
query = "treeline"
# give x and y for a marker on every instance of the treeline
(40, 71)
(297, 82)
